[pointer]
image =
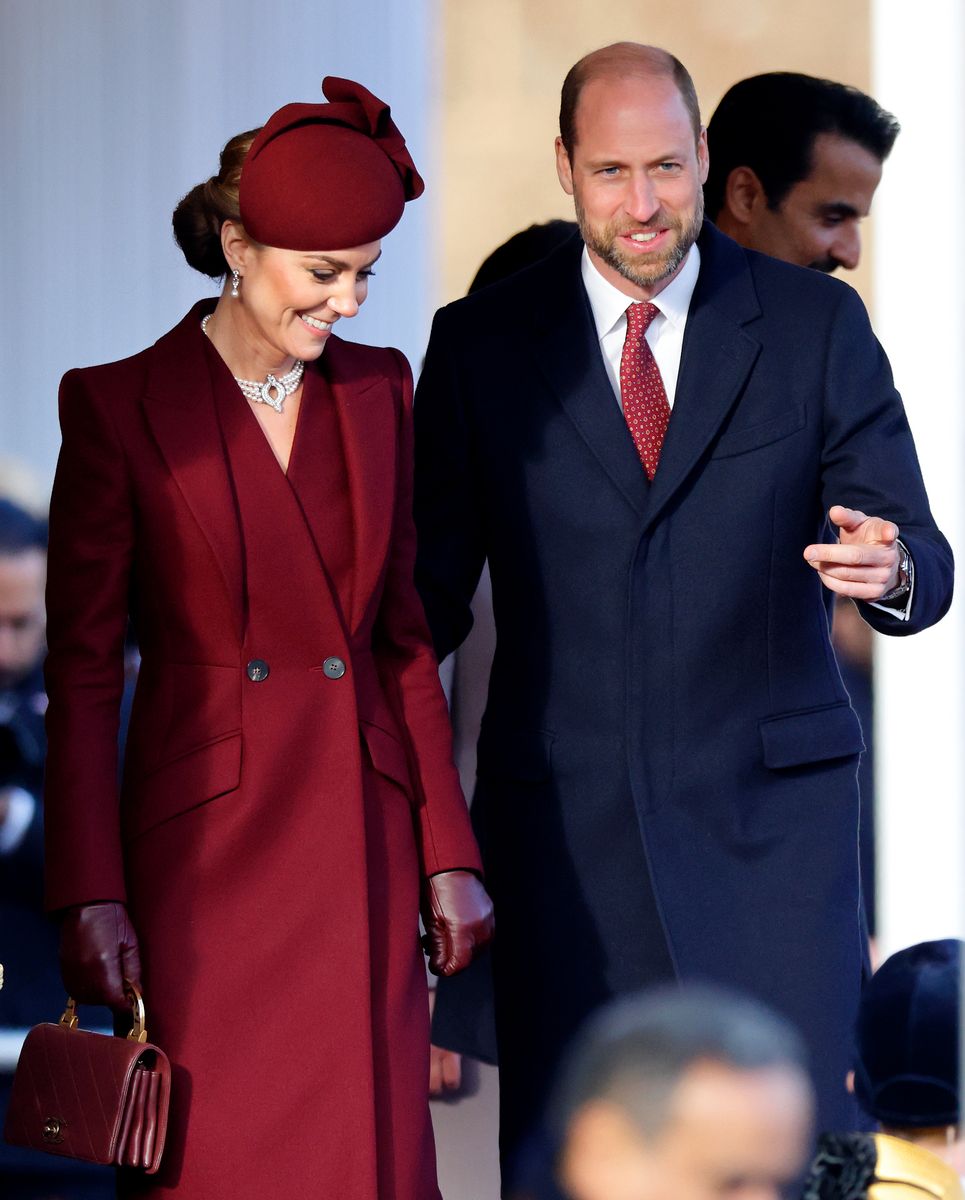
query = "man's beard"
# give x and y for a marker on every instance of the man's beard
(825, 265)
(646, 275)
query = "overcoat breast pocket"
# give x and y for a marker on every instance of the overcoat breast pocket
(185, 742)
(763, 433)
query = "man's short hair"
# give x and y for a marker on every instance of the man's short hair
(623, 60)
(769, 123)
(20, 530)
(635, 1051)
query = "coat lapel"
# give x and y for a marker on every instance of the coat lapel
(179, 406)
(369, 425)
(717, 358)
(569, 355)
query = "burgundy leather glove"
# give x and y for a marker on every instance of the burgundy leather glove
(458, 916)
(98, 951)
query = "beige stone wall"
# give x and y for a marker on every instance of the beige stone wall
(503, 61)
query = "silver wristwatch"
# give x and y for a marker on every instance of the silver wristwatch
(903, 587)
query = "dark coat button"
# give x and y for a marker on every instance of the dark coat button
(333, 667)
(257, 670)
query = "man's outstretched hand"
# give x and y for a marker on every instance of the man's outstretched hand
(863, 564)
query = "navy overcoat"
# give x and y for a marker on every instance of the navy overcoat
(667, 765)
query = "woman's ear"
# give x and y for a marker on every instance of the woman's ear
(235, 244)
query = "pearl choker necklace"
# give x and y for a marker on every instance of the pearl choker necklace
(273, 391)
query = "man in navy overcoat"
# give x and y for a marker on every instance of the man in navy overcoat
(667, 765)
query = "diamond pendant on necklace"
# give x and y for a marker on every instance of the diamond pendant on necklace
(273, 391)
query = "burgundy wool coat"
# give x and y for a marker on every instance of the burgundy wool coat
(288, 773)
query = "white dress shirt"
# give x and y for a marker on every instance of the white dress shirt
(666, 333)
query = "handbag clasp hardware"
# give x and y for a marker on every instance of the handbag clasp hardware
(69, 1019)
(137, 1033)
(54, 1130)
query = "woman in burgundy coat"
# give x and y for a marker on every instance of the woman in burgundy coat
(242, 491)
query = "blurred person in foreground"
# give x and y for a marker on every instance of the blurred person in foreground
(794, 164)
(907, 1078)
(688, 1094)
(672, 455)
(242, 490)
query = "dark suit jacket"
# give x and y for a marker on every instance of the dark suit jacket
(665, 710)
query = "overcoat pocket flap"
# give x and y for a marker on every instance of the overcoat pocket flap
(813, 735)
(387, 754)
(183, 784)
(764, 433)
(524, 754)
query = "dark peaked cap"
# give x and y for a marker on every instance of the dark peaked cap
(907, 1037)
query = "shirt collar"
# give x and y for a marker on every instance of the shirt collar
(609, 304)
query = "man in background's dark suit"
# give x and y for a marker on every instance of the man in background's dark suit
(667, 761)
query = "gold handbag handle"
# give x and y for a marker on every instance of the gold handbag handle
(138, 1032)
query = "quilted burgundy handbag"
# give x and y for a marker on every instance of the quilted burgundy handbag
(91, 1096)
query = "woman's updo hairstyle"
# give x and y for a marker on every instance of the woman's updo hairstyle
(200, 214)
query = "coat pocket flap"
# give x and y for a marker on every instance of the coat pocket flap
(388, 755)
(753, 437)
(518, 754)
(185, 783)
(815, 735)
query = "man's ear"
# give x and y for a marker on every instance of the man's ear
(564, 168)
(744, 195)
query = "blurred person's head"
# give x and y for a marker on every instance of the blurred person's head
(23, 575)
(794, 164)
(683, 1094)
(523, 249)
(906, 1065)
(633, 155)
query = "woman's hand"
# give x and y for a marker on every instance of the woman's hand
(98, 951)
(458, 916)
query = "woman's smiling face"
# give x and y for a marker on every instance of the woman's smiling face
(290, 299)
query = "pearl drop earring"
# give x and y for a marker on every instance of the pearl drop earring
(235, 280)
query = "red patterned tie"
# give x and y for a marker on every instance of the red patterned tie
(645, 404)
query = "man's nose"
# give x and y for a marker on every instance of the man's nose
(846, 249)
(641, 200)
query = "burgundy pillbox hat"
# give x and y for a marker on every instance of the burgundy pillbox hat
(327, 176)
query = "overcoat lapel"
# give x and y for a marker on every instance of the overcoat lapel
(568, 353)
(717, 358)
(179, 406)
(369, 424)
